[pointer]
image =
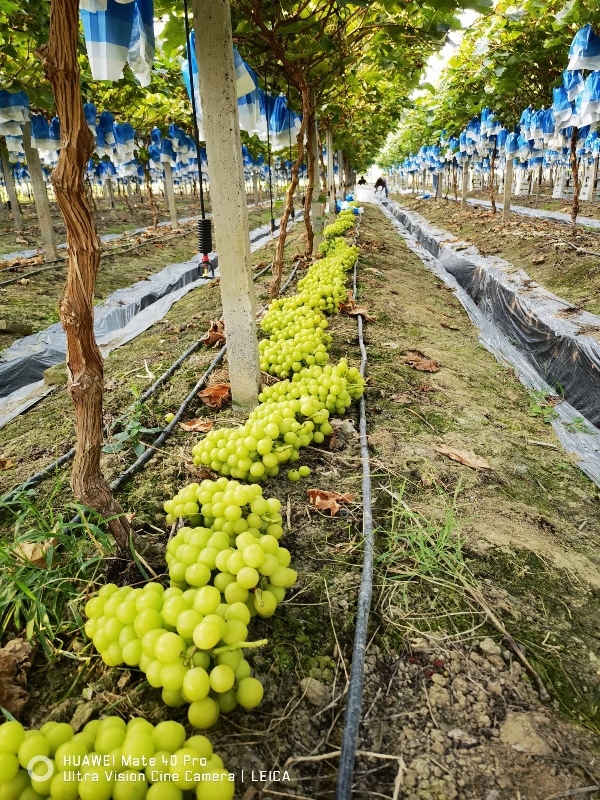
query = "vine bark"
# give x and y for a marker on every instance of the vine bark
(76, 307)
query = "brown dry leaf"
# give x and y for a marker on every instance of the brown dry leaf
(539, 260)
(6, 463)
(359, 311)
(35, 552)
(350, 302)
(197, 425)
(403, 397)
(201, 471)
(215, 282)
(215, 334)
(450, 327)
(24, 282)
(215, 396)
(418, 360)
(466, 457)
(260, 265)
(16, 659)
(322, 500)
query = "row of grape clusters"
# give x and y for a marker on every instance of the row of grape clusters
(226, 567)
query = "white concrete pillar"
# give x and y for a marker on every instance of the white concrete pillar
(316, 209)
(170, 194)
(214, 53)
(40, 195)
(10, 190)
(594, 179)
(508, 176)
(255, 189)
(465, 183)
(330, 176)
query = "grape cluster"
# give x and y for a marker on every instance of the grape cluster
(110, 759)
(189, 643)
(296, 325)
(291, 414)
(343, 223)
(240, 542)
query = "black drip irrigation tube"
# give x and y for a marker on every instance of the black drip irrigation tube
(355, 687)
(64, 459)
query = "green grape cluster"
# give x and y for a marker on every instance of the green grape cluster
(189, 643)
(291, 414)
(343, 223)
(241, 544)
(108, 759)
(296, 325)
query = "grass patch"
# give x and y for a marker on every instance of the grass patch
(48, 567)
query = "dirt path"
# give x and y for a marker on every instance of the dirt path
(448, 705)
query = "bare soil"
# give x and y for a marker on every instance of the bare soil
(463, 557)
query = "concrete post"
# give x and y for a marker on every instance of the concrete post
(316, 209)
(40, 195)
(255, 189)
(465, 183)
(128, 187)
(170, 194)
(10, 190)
(438, 187)
(594, 179)
(214, 53)
(330, 183)
(508, 176)
(341, 176)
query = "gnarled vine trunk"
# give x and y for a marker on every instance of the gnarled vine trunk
(289, 205)
(576, 187)
(76, 306)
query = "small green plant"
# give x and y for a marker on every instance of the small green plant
(47, 567)
(130, 435)
(542, 405)
(578, 425)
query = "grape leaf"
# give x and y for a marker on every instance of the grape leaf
(322, 500)
(215, 396)
(466, 457)
(197, 425)
(421, 362)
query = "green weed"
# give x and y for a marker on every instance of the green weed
(47, 567)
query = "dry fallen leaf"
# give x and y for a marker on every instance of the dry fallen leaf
(350, 301)
(450, 327)
(353, 310)
(35, 552)
(466, 457)
(403, 397)
(215, 396)
(359, 311)
(539, 260)
(418, 360)
(215, 334)
(197, 425)
(15, 662)
(201, 471)
(6, 463)
(328, 500)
